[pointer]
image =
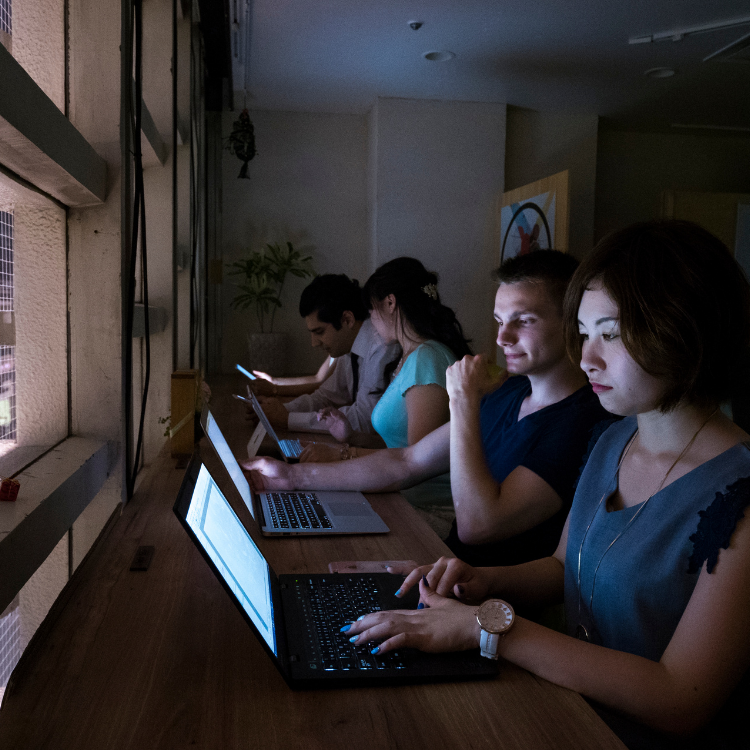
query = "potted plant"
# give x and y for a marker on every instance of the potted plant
(263, 273)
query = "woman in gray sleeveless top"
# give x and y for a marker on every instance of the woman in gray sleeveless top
(654, 562)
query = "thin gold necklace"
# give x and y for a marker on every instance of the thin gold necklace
(581, 632)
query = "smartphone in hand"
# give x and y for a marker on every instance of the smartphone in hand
(245, 372)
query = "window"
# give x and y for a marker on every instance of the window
(10, 641)
(7, 348)
(5, 17)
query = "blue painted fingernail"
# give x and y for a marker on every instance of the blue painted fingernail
(424, 581)
(353, 639)
(345, 628)
(420, 605)
(398, 593)
(376, 650)
(361, 617)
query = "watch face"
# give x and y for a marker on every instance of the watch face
(495, 616)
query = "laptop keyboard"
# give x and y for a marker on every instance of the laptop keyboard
(296, 510)
(291, 448)
(327, 604)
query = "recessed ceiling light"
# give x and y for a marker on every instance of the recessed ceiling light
(659, 72)
(439, 56)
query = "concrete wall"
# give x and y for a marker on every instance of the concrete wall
(183, 268)
(41, 326)
(308, 185)
(157, 87)
(543, 143)
(158, 187)
(39, 314)
(38, 43)
(70, 263)
(411, 178)
(41, 368)
(42, 589)
(633, 169)
(438, 173)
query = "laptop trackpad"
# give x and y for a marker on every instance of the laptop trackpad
(348, 509)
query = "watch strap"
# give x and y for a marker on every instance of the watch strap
(488, 643)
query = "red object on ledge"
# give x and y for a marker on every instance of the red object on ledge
(9, 489)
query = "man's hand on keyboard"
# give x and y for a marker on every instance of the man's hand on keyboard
(268, 474)
(336, 423)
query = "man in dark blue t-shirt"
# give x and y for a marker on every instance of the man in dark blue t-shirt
(514, 451)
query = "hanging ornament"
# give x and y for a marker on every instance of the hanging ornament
(241, 142)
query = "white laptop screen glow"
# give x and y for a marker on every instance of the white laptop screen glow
(230, 462)
(234, 553)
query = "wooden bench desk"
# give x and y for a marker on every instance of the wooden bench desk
(163, 659)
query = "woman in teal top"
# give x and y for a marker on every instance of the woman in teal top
(426, 365)
(405, 307)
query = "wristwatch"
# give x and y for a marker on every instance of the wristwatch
(495, 617)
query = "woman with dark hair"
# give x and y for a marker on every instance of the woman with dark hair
(653, 564)
(405, 307)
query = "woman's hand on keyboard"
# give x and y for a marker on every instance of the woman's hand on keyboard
(449, 577)
(320, 453)
(268, 474)
(442, 625)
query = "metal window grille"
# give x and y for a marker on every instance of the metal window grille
(6, 260)
(7, 353)
(5, 17)
(7, 392)
(10, 641)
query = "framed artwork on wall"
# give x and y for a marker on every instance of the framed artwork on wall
(535, 217)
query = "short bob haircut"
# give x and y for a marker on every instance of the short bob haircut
(684, 307)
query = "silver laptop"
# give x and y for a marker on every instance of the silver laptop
(290, 449)
(300, 512)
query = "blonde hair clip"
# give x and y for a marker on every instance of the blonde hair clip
(431, 291)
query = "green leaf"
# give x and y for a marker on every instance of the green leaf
(264, 272)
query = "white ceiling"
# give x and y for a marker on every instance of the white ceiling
(339, 55)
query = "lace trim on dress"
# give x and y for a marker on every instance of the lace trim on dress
(717, 524)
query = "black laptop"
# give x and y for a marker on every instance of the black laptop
(298, 617)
